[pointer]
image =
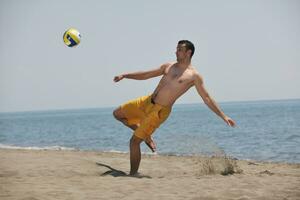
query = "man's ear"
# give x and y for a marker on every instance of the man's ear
(190, 52)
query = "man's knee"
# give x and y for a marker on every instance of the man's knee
(117, 113)
(135, 140)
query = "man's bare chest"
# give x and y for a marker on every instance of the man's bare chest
(179, 77)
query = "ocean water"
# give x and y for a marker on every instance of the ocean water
(266, 131)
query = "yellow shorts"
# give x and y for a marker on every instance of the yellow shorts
(145, 114)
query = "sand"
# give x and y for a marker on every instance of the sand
(49, 174)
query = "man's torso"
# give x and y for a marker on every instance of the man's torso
(173, 84)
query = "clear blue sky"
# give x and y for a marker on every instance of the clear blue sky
(245, 50)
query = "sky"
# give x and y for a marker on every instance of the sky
(245, 50)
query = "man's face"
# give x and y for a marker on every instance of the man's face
(181, 52)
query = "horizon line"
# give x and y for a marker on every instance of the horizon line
(101, 107)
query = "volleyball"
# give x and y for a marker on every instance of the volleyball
(72, 37)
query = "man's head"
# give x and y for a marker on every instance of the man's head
(185, 49)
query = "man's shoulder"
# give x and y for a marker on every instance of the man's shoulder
(196, 75)
(168, 64)
(193, 70)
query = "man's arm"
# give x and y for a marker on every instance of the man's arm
(209, 101)
(143, 75)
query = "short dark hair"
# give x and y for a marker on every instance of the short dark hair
(189, 45)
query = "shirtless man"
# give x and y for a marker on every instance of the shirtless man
(145, 114)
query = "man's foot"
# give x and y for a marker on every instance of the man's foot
(150, 143)
(139, 175)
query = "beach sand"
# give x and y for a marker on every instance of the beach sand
(49, 174)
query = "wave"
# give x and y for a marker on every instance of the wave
(4, 146)
(115, 151)
(125, 152)
(60, 148)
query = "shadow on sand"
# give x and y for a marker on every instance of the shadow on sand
(118, 173)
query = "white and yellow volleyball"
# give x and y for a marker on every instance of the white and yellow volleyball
(72, 37)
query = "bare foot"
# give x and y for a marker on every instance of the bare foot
(139, 175)
(150, 143)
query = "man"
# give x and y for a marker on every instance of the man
(145, 114)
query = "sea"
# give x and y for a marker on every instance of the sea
(265, 131)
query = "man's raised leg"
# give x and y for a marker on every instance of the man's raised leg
(118, 114)
(150, 143)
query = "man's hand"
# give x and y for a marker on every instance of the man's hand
(118, 78)
(229, 121)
